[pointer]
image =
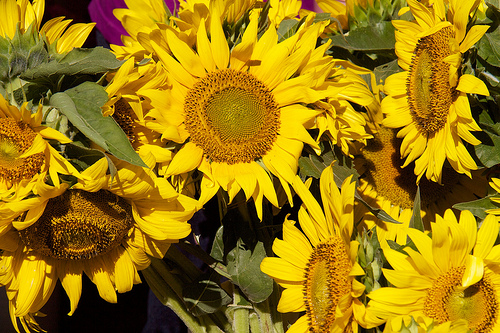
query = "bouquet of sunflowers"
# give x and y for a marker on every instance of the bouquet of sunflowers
(347, 158)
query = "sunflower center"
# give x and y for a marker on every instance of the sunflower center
(79, 225)
(15, 139)
(428, 87)
(326, 282)
(446, 300)
(232, 116)
(124, 117)
(397, 184)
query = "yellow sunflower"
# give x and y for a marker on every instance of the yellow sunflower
(337, 9)
(429, 98)
(27, 160)
(103, 226)
(451, 276)
(317, 266)
(127, 90)
(139, 19)
(240, 116)
(385, 183)
(340, 121)
(23, 13)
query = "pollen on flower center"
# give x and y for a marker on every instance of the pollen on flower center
(397, 184)
(15, 139)
(79, 225)
(326, 282)
(232, 116)
(428, 87)
(446, 300)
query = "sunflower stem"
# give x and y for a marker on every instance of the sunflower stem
(240, 314)
(169, 298)
(271, 320)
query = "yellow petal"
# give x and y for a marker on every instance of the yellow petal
(474, 271)
(472, 85)
(475, 33)
(186, 159)
(71, 280)
(486, 236)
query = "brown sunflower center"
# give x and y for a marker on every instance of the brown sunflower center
(79, 225)
(232, 116)
(428, 87)
(397, 184)
(124, 117)
(326, 282)
(15, 139)
(446, 300)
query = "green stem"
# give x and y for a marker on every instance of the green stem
(271, 320)
(240, 314)
(169, 298)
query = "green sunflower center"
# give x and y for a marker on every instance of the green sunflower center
(15, 139)
(232, 116)
(326, 282)
(446, 300)
(79, 225)
(428, 87)
(397, 184)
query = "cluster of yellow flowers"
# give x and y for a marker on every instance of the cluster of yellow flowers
(252, 104)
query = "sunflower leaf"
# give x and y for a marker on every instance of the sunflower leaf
(489, 48)
(374, 38)
(77, 61)
(244, 268)
(204, 295)
(489, 152)
(82, 105)
(479, 207)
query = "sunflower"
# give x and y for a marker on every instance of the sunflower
(385, 183)
(139, 19)
(127, 90)
(317, 267)
(103, 226)
(340, 121)
(27, 159)
(451, 276)
(239, 115)
(429, 98)
(21, 14)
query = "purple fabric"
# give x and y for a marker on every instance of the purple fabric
(101, 12)
(310, 5)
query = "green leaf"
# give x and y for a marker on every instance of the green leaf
(489, 153)
(489, 48)
(244, 268)
(479, 207)
(374, 38)
(76, 61)
(204, 295)
(218, 246)
(85, 157)
(382, 72)
(82, 105)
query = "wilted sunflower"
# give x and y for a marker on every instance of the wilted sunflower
(429, 98)
(451, 276)
(27, 160)
(239, 115)
(317, 266)
(104, 227)
(383, 179)
(22, 13)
